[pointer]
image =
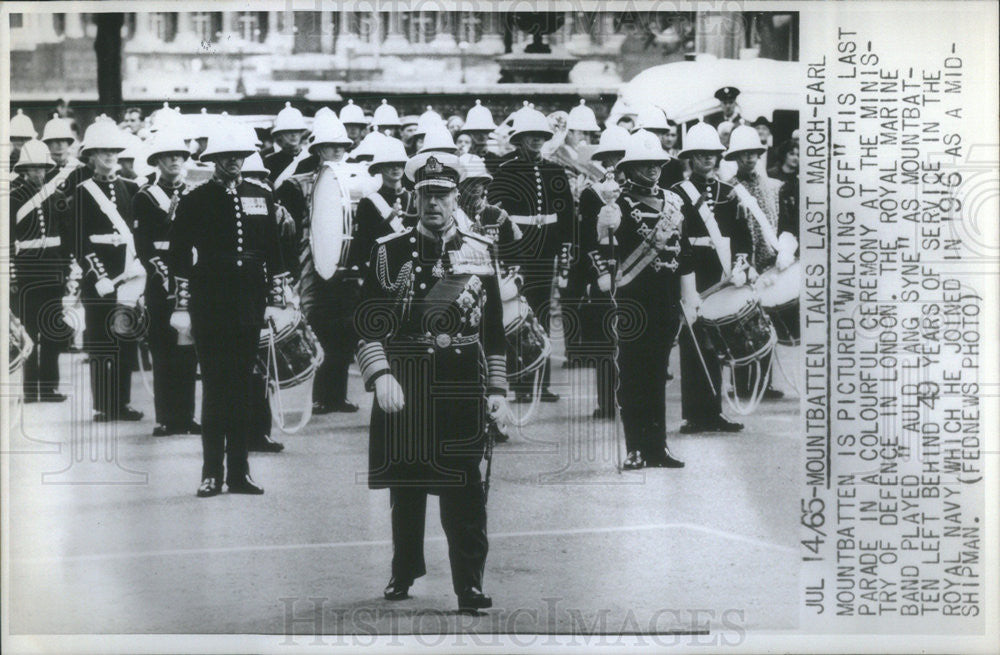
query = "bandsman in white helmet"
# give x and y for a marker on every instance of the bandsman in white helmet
(235, 286)
(436, 289)
(127, 157)
(582, 123)
(22, 130)
(353, 118)
(328, 305)
(536, 193)
(716, 224)
(427, 121)
(112, 274)
(597, 305)
(387, 210)
(69, 171)
(644, 228)
(40, 260)
(407, 126)
(327, 132)
(438, 139)
(478, 126)
(288, 133)
(652, 119)
(174, 362)
(386, 120)
(484, 218)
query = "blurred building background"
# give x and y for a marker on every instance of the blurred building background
(252, 61)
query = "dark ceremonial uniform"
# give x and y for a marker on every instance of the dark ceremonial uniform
(328, 305)
(307, 165)
(154, 208)
(652, 253)
(283, 164)
(40, 249)
(238, 270)
(593, 327)
(105, 248)
(788, 207)
(672, 172)
(380, 214)
(432, 317)
(699, 405)
(537, 196)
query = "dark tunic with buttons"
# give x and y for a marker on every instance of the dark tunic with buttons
(432, 317)
(372, 221)
(225, 241)
(101, 245)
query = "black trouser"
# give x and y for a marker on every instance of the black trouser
(39, 306)
(699, 403)
(537, 290)
(642, 369)
(109, 339)
(596, 347)
(227, 361)
(332, 321)
(174, 369)
(463, 517)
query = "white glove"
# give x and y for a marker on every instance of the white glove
(690, 298)
(604, 282)
(752, 274)
(787, 245)
(496, 406)
(785, 259)
(608, 220)
(389, 394)
(279, 316)
(739, 277)
(180, 320)
(104, 287)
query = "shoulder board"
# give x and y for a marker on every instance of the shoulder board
(257, 183)
(395, 235)
(481, 238)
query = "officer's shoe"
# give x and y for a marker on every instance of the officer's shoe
(603, 413)
(773, 394)
(549, 397)
(266, 445)
(473, 599)
(160, 430)
(722, 424)
(52, 397)
(193, 427)
(396, 590)
(664, 460)
(320, 408)
(103, 417)
(633, 461)
(209, 487)
(29, 399)
(690, 427)
(522, 398)
(129, 414)
(344, 407)
(244, 485)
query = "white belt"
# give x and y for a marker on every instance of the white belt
(113, 239)
(161, 245)
(41, 242)
(534, 219)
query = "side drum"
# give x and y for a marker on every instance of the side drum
(779, 296)
(736, 326)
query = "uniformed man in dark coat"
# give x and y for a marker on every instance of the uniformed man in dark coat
(389, 209)
(716, 225)
(596, 339)
(224, 297)
(174, 363)
(651, 248)
(730, 111)
(112, 274)
(328, 305)
(39, 266)
(432, 349)
(536, 194)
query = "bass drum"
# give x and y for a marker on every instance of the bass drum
(288, 360)
(779, 296)
(331, 220)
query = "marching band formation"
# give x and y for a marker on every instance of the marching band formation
(433, 253)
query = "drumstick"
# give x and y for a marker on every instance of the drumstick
(701, 358)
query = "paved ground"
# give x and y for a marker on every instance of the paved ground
(108, 536)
